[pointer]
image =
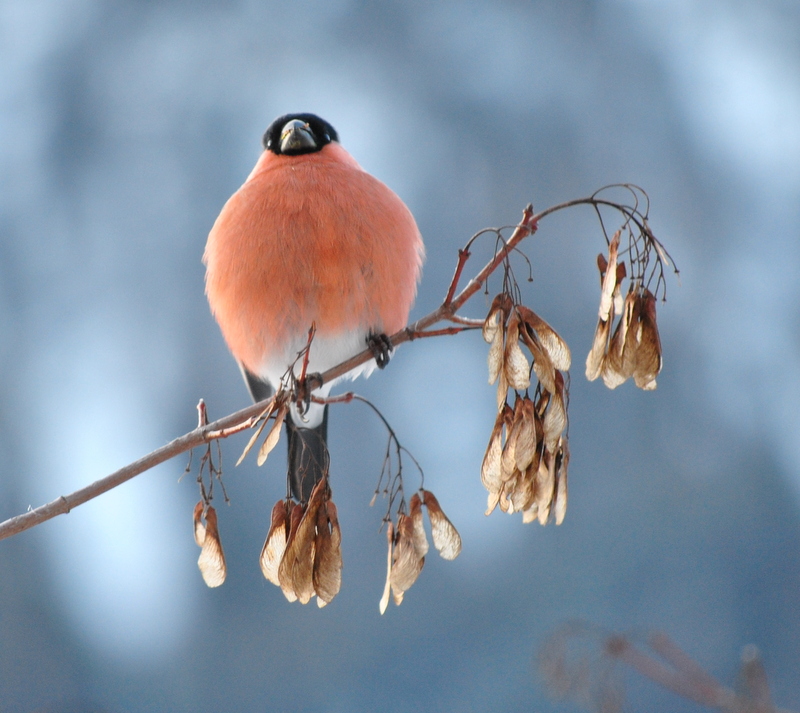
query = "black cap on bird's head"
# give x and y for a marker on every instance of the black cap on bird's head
(296, 134)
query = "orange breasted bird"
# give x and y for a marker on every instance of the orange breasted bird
(310, 238)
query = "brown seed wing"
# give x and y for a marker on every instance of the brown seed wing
(415, 513)
(515, 365)
(212, 559)
(327, 575)
(275, 544)
(445, 536)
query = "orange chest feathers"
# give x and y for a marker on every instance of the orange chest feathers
(310, 239)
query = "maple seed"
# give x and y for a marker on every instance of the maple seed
(525, 449)
(648, 359)
(515, 365)
(327, 576)
(543, 365)
(495, 358)
(265, 415)
(445, 537)
(384, 602)
(555, 418)
(561, 483)
(553, 344)
(295, 572)
(508, 462)
(594, 361)
(491, 472)
(415, 514)
(634, 349)
(212, 559)
(285, 568)
(273, 436)
(406, 561)
(275, 544)
(609, 280)
(199, 527)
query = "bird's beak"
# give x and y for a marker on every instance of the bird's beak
(297, 136)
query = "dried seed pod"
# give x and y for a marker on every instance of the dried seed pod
(505, 503)
(530, 485)
(545, 482)
(495, 357)
(618, 301)
(530, 514)
(273, 436)
(492, 500)
(493, 332)
(523, 494)
(491, 471)
(498, 314)
(508, 462)
(406, 562)
(515, 365)
(265, 413)
(618, 362)
(609, 280)
(502, 389)
(490, 327)
(297, 565)
(542, 364)
(384, 602)
(596, 356)
(560, 503)
(199, 527)
(415, 514)
(553, 344)
(530, 511)
(611, 275)
(212, 559)
(327, 574)
(525, 450)
(648, 360)
(445, 537)
(275, 544)
(555, 418)
(287, 561)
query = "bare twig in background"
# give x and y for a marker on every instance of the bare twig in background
(576, 661)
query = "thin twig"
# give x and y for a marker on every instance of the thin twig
(443, 332)
(463, 256)
(65, 503)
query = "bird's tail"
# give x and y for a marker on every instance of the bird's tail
(308, 456)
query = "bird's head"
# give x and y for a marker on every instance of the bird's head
(296, 134)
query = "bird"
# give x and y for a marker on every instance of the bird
(310, 240)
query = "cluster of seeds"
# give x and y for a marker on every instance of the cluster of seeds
(303, 550)
(634, 348)
(525, 465)
(408, 545)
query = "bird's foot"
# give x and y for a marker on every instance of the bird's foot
(304, 389)
(381, 348)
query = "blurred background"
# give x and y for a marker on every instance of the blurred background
(125, 126)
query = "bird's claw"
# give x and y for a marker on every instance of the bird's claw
(304, 389)
(381, 347)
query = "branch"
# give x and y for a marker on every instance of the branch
(567, 673)
(246, 417)
(200, 435)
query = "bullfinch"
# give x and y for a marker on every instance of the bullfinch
(309, 239)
